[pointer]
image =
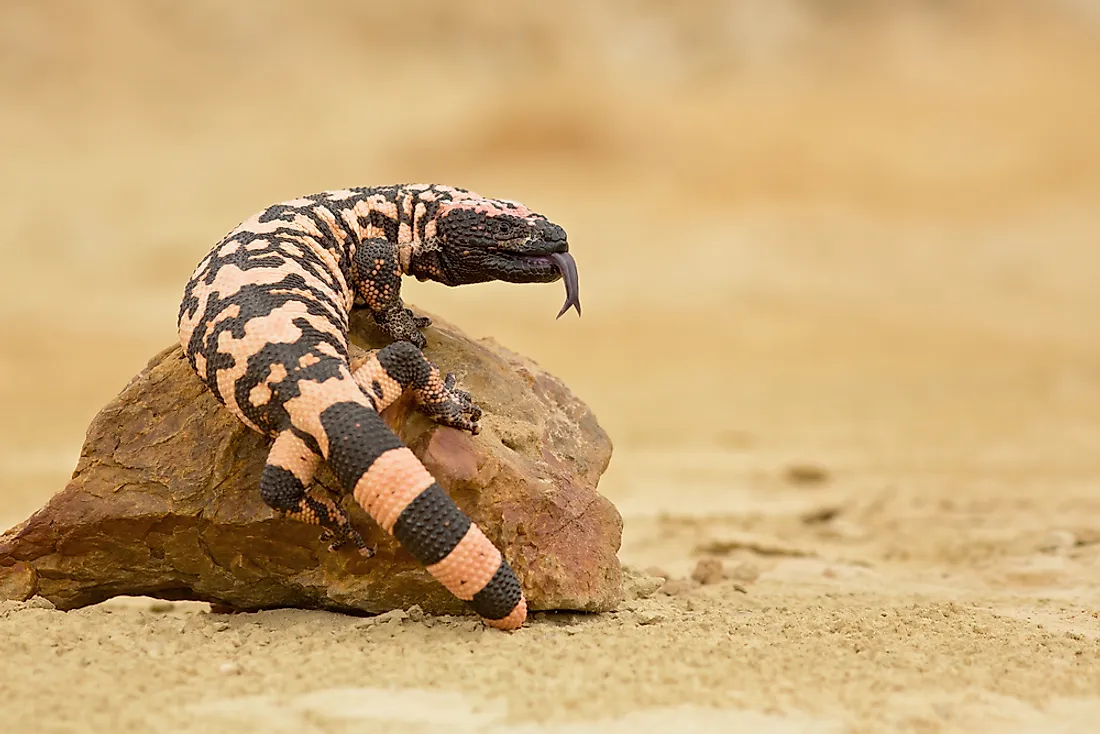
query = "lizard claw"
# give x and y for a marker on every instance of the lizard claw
(421, 322)
(341, 535)
(462, 397)
(456, 408)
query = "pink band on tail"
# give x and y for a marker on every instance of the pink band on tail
(394, 480)
(513, 620)
(470, 566)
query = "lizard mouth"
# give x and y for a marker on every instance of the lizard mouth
(543, 268)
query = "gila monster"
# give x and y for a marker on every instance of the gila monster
(264, 323)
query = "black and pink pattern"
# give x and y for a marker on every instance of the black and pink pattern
(264, 322)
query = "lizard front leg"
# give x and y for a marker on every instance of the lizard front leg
(378, 284)
(397, 367)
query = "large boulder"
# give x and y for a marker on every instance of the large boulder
(164, 501)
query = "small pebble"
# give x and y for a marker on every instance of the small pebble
(396, 616)
(806, 474)
(677, 587)
(221, 626)
(643, 587)
(39, 602)
(646, 617)
(708, 571)
(229, 668)
(745, 572)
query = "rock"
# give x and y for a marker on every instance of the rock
(164, 501)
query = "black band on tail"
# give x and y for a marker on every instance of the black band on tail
(431, 526)
(500, 596)
(357, 436)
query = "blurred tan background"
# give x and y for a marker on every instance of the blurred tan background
(803, 227)
(855, 242)
(831, 231)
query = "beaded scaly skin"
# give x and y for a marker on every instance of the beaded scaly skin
(264, 323)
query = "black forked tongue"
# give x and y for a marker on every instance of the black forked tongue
(568, 267)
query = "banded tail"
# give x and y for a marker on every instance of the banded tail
(386, 478)
(395, 489)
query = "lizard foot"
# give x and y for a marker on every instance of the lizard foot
(444, 403)
(402, 325)
(315, 508)
(338, 539)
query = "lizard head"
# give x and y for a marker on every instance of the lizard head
(477, 240)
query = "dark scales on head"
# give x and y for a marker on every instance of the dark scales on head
(489, 239)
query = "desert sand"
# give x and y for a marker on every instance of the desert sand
(840, 277)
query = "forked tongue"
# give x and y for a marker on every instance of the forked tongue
(568, 267)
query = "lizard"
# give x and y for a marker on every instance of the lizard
(264, 323)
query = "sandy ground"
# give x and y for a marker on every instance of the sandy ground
(839, 271)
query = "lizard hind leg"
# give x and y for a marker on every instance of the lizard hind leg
(285, 486)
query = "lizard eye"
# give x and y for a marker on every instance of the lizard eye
(502, 227)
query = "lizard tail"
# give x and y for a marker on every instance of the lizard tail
(394, 488)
